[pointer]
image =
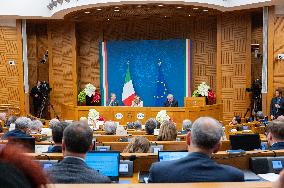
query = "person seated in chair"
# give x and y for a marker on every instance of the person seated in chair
(138, 144)
(186, 126)
(57, 135)
(197, 166)
(110, 127)
(236, 120)
(36, 127)
(77, 141)
(150, 125)
(167, 132)
(113, 101)
(275, 135)
(22, 129)
(170, 102)
(137, 102)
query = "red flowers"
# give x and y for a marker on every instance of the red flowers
(97, 97)
(211, 97)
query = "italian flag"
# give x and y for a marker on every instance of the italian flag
(128, 92)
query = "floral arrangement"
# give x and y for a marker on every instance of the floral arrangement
(203, 90)
(162, 116)
(93, 116)
(90, 90)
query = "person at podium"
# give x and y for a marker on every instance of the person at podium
(137, 102)
(170, 102)
(113, 101)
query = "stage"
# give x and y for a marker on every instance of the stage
(124, 114)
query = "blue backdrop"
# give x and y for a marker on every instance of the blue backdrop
(143, 57)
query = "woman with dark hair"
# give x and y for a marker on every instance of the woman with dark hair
(19, 170)
(138, 144)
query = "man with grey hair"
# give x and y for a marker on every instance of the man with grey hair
(197, 166)
(110, 127)
(170, 102)
(36, 127)
(77, 141)
(186, 126)
(22, 129)
(53, 122)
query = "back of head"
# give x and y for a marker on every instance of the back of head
(150, 125)
(23, 123)
(11, 119)
(57, 131)
(259, 115)
(167, 131)
(19, 170)
(138, 144)
(53, 122)
(110, 127)
(206, 133)
(137, 125)
(186, 125)
(77, 138)
(238, 119)
(36, 125)
(276, 128)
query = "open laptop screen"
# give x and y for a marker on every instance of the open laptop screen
(171, 155)
(105, 162)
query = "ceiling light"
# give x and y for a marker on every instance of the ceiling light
(99, 9)
(179, 7)
(189, 15)
(60, 1)
(195, 8)
(108, 19)
(116, 10)
(165, 16)
(160, 5)
(116, 7)
(205, 10)
(87, 12)
(139, 6)
(67, 1)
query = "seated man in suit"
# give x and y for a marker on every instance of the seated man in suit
(57, 135)
(22, 129)
(275, 135)
(170, 102)
(198, 166)
(277, 105)
(113, 101)
(77, 141)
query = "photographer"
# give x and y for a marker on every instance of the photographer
(277, 105)
(37, 97)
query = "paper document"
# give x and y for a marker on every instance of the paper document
(269, 176)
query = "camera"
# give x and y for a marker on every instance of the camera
(44, 88)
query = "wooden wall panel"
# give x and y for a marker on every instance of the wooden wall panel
(11, 80)
(235, 63)
(278, 69)
(61, 52)
(202, 31)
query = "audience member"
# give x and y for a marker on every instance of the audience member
(259, 116)
(186, 125)
(275, 135)
(36, 127)
(150, 126)
(11, 119)
(57, 135)
(236, 120)
(22, 128)
(84, 120)
(77, 141)
(198, 166)
(53, 122)
(3, 117)
(167, 132)
(138, 144)
(110, 127)
(18, 170)
(280, 118)
(134, 125)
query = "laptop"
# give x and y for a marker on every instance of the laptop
(171, 155)
(26, 142)
(102, 148)
(245, 142)
(46, 164)
(105, 162)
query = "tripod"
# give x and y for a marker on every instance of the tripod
(46, 103)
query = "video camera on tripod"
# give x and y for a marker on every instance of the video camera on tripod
(45, 89)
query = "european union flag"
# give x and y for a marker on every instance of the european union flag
(162, 91)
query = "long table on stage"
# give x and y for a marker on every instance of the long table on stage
(124, 114)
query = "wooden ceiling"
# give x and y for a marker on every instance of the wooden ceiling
(140, 11)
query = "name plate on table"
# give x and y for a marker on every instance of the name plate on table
(194, 101)
(118, 116)
(140, 116)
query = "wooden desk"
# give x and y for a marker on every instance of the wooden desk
(115, 138)
(178, 114)
(168, 185)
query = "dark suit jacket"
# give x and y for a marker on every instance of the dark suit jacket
(15, 134)
(55, 149)
(73, 170)
(173, 104)
(196, 167)
(277, 146)
(114, 103)
(274, 111)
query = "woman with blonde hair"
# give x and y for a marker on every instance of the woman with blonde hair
(168, 132)
(138, 144)
(137, 102)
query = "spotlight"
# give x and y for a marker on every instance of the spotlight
(116, 10)
(160, 5)
(205, 10)
(99, 9)
(54, 2)
(60, 1)
(50, 6)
